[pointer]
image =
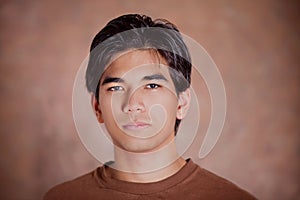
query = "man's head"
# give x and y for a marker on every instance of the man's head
(137, 32)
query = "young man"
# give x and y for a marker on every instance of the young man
(139, 77)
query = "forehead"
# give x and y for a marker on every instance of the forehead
(136, 62)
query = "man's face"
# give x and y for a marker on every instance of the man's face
(138, 102)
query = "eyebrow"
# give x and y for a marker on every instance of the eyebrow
(145, 78)
(155, 77)
(112, 80)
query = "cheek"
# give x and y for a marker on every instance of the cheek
(162, 104)
(106, 106)
(111, 107)
(165, 97)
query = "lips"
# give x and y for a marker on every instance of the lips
(136, 126)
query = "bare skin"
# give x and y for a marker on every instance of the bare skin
(138, 105)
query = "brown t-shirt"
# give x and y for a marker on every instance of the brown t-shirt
(190, 182)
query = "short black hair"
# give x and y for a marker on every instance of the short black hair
(134, 31)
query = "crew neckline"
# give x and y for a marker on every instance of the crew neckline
(143, 188)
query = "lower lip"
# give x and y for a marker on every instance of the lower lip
(136, 127)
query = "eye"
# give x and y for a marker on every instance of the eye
(152, 86)
(115, 88)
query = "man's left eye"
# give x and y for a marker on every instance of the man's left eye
(152, 86)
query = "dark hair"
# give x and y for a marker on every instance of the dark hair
(135, 31)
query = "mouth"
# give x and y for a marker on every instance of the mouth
(136, 126)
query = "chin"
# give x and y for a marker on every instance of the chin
(138, 149)
(143, 146)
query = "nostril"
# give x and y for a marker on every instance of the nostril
(134, 108)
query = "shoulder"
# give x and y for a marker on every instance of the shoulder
(215, 187)
(73, 187)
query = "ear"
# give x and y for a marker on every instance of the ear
(96, 108)
(184, 100)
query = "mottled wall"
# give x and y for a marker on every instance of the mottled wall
(254, 43)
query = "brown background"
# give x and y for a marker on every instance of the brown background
(255, 44)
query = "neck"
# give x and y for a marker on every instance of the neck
(146, 167)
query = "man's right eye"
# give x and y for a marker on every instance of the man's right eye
(115, 88)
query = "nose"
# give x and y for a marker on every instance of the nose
(134, 103)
